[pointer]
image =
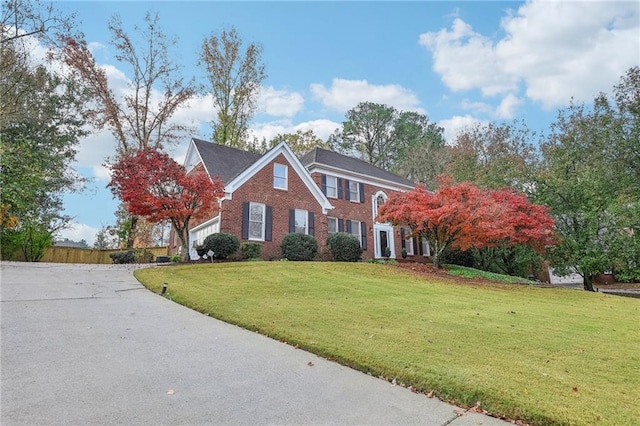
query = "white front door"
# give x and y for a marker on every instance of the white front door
(383, 238)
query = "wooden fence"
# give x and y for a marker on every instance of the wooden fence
(78, 255)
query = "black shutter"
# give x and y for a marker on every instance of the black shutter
(292, 221)
(245, 221)
(348, 226)
(347, 193)
(268, 226)
(340, 225)
(340, 189)
(420, 246)
(311, 224)
(324, 184)
(363, 231)
(402, 239)
(416, 245)
(361, 192)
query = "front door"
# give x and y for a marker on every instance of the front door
(383, 238)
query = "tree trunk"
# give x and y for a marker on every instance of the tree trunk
(132, 232)
(588, 282)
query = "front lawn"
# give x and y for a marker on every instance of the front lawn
(546, 356)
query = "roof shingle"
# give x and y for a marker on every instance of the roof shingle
(224, 161)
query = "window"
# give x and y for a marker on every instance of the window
(355, 230)
(354, 191)
(380, 199)
(332, 225)
(301, 222)
(408, 242)
(279, 176)
(256, 221)
(426, 250)
(332, 186)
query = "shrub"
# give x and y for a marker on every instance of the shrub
(176, 258)
(344, 247)
(123, 257)
(299, 247)
(144, 256)
(221, 244)
(250, 250)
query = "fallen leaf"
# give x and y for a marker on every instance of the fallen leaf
(430, 394)
(393, 382)
(170, 392)
(310, 364)
(575, 389)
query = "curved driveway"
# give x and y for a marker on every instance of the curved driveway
(88, 345)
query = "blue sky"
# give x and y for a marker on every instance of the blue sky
(457, 62)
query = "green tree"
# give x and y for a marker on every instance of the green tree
(591, 186)
(234, 79)
(37, 146)
(300, 142)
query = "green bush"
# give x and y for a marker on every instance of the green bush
(123, 257)
(299, 247)
(250, 250)
(176, 258)
(221, 244)
(344, 247)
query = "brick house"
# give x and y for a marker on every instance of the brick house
(268, 196)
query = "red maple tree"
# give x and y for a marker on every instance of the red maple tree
(462, 216)
(151, 184)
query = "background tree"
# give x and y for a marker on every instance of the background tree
(368, 131)
(405, 143)
(494, 156)
(422, 153)
(41, 121)
(462, 216)
(234, 79)
(300, 142)
(592, 187)
(141, 118)
(153, 185)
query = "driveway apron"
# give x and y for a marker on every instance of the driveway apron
(88, 345)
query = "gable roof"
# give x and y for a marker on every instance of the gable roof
(262, 161)
(322, 157)
(224, 161)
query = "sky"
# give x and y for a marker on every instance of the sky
(457, 62)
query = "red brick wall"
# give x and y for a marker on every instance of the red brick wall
(260, 189)
(351, 210)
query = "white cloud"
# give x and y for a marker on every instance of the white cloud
(557, 50)
(79, 231)
(346, 94)
(279, 103)
(321, 128)
(508, 106)
(452, 126)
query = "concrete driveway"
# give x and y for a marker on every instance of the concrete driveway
(88, 345)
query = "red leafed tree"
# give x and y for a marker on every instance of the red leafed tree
(153, 185)
(462, 216)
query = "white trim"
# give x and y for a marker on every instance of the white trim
(264, 222)
(374, 203)
(370, 180)
(306, 220)
(286, 177)
(335, 179)
(189, 164)
(376, 240)
(281, 148)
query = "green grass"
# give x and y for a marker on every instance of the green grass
(476, 273)
(546, 356)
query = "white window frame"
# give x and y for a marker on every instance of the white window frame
(355, 199)
(278, 180)
(302, 213)
(332, 219)
(408, 242)
(374, 207)
(426, 249)
(333, 187)
(263, 221)
(358, 228)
